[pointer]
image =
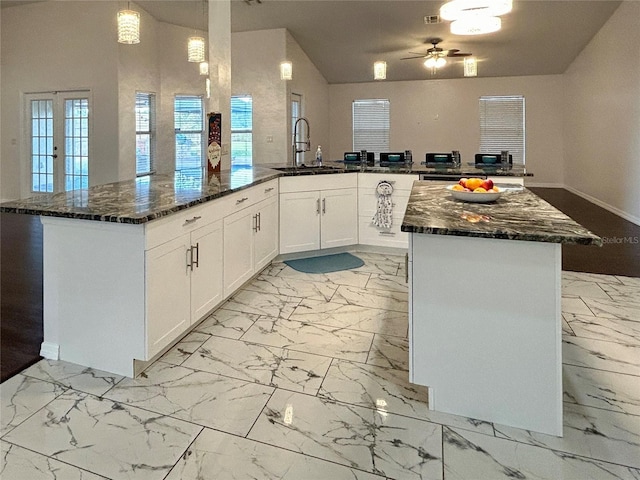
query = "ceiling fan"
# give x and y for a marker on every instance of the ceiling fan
(436, 56)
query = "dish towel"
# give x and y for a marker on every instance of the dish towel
(384, 212)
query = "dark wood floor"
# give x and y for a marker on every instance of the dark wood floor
(21, 269)
(620, 254)
(20, 292)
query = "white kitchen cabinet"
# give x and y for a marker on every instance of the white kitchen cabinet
(168, 293)
(206, 273)
(318, 212)
(183, 283)
(250, 241)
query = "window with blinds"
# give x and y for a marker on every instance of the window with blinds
(241, 130)
(189, 129)
(145, 133)
(371, 125)
(502, 126)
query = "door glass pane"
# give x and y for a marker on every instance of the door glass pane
(76, 143)
(41, 113)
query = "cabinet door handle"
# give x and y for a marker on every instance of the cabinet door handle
(318, 207)
(190, 258)
(324, 206)
(406, 268)
(243, 199)
(391, 234)
(267, 190)
(194, 263)
(192, 220)
(255, 222)
(259, 221)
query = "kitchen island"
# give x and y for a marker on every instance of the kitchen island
(484, 302)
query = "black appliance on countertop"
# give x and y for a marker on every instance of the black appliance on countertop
(354, 158)
(439, 159)
(490, 159)
(389, 159)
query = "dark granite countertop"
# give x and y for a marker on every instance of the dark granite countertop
(155, 196)
(517, 215)
(468, 170)
(143, 199)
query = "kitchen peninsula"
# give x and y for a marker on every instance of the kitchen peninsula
(131, 266)
(484, 301)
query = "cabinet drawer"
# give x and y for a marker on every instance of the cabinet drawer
(369, 234)
(308, 183)
(367, 182)
(237, 201)
(166, 229)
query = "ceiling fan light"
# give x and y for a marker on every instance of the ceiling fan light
(380, 70)
(475, 25)
(430, 62)
(456, 9)
(440, 62)
(470, 67)
(128, 27)
(195, 49)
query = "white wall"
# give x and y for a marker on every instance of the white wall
(256, 58)
(602, 116)
(33, 39)
(255, 71)
(311, 84)
(443, 115)
(72, 45)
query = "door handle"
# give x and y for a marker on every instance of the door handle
(255, 223)
(324, 206)
(191, 220)
(197, 260)
(267, 190)
(190, 258)
(318, 207)
(243, 199)
(259, 221)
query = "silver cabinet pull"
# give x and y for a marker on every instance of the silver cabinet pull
(318, 207)
(389, 234)
(267, 190)
(406, 268)
(324, 206)
(259, 221)
(192, 220)
(243, 199)
(191, 261)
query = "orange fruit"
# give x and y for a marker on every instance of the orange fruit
(479, 190)
(459, 188)
(474, 183)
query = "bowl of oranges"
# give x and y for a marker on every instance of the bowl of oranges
(476, 190)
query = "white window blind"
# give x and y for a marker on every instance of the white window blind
(145, 132)
(189, 128)
(502, 126)
(241, 130)
(371, 125)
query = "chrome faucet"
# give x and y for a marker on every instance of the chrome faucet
(307, 144)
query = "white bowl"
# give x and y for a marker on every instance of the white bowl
(474, 197)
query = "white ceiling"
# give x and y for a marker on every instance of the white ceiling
(344, 37)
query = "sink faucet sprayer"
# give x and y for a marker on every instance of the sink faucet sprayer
(307, 144)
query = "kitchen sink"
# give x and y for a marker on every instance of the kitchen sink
(308, 169)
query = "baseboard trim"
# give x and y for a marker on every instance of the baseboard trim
(50, 350)
(606, 206)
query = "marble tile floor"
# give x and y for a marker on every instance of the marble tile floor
(304, 376)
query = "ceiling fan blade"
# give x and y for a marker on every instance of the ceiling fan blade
(411, 58)
(454, 53)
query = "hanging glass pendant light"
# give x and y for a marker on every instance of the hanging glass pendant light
(380, 70)
(195, 49)
(204, 68)
(128, 27)
(470, 67)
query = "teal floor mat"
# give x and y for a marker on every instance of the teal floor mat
(326, 263)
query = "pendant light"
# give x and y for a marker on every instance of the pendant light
(204, 68)
(286, 70)
(128, 27)
(195, 46)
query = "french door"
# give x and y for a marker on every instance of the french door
(58, 138)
